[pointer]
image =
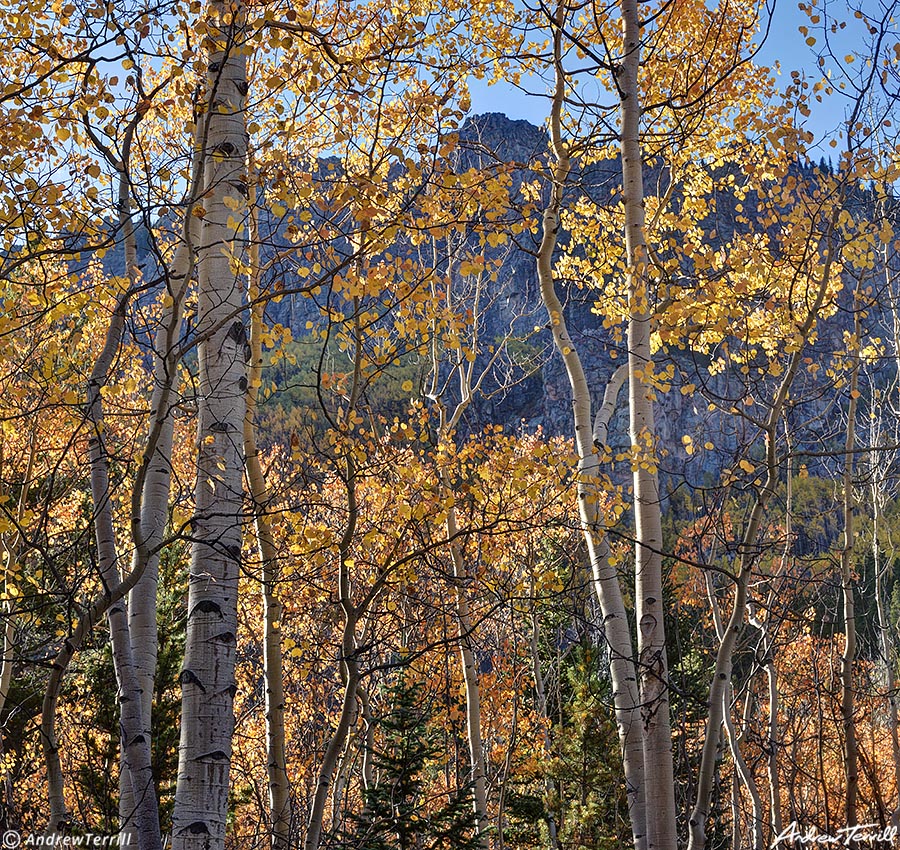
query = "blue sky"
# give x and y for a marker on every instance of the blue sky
(785, 45)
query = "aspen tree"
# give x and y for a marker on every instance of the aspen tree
(605, 576)
(819, 287)
(351, 612)
(207, 678)
(848, 656)
(743, 777)
(150, 496)
(879, 464)
(469, 381)
(276, 766)
(140, 807)
(659, 782)
(462, 375)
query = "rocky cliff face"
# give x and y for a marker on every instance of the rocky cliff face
(707, 414)
(530, 388)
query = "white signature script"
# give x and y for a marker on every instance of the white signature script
(863, 833)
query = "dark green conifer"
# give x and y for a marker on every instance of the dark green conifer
(398, 813)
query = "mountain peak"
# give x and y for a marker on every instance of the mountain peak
(506, 138)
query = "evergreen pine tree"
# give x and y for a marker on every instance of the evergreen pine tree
(397, 814)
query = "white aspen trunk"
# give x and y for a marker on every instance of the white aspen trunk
(153, 513)
(742, 774)
(848, 697)
(768, 648)
(350, 673)
(207, 678)
(722, 676)
(151, 495)
(651, 638)
(470, 682)
(774, 749)
(276, 762)
(367, 770)
(89, 618)
(341, 777)
(605, 576)
(12, 551)
(886, 632)
(540, 699)
(736, 843)
(135, 745)
(746, 553)
(888, 650)
(141, 811)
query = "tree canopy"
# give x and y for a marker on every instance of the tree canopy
(374, 473)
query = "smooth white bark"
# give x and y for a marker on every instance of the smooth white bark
(470, 681)
(848, 656)
(651, 637)
(276, 763)
(150, 498)
(207, 678)
(135, 744)
(605, 577)
(743, 776)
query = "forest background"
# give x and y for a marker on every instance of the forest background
(376, 474)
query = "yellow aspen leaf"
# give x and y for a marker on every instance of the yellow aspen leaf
(746, 465)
